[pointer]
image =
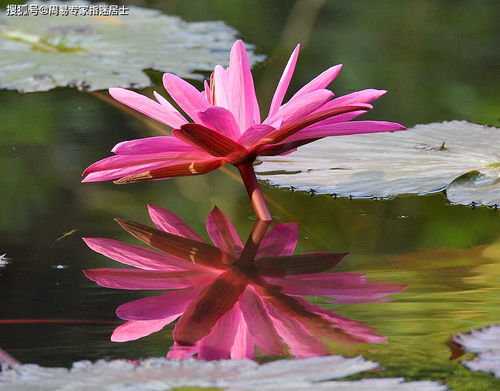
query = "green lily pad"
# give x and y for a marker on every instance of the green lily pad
(484, 342)
(424, 159)
(232, 375)
(97, 52)
(481, 187)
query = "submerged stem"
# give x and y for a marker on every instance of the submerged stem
(254, 191)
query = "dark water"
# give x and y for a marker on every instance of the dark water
(437, 63)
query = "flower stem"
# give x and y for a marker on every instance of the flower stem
(254, 191)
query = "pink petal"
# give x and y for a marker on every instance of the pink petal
(284, 82)
(207, 93)
(301, 123)
(338, 118)
(137, 256)
(320, 81)
(344, 128)
(281, 240)
(147, 279)
(218, 344)
(209, 140)
(259, 323)
(243, 345)
(162, 101)
(166, 171)
(170, 305)
(344, 286)
(350, 328)
(221, 89)
(242, 100)
(221, 120)
(135, 329)
(301, 106)
(125, 161)
(168, 221)
(119, 166)
(209, 307)
(300, 342)
(148, 107)
(255, 133)
(179, 352)
(185, 95)
(158, 144)
(222, 232)
(363, 96)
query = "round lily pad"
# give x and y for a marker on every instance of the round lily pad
(459, 157)
(97, 52)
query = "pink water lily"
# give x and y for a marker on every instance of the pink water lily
(222, 125)
(229, 297)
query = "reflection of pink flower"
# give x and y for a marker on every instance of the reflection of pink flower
(231, 297)
(226, 126)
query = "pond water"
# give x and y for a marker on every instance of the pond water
(437, 63)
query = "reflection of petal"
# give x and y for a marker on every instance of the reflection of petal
(297, 264)
(223, 233)
(147, 279)
(214, 301)
(260, 326)
(300, 342)
(217, 345)
(180, 352)
(228, 301)
(135, 329)
(298, 309)
(189, 250)
(168, 221)
(356, 330)
(169, 304)
(243, 346)
(341, 285)
(137, 256)
(280, 241)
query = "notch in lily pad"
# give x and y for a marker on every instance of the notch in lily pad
(98, 52)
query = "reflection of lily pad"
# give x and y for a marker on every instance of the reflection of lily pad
(424, 159)
(485, 342)
(235, 375)
(97, 52)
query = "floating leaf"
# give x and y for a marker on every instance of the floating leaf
(485, 342)
(98, 52)
(424, 159)
(235, 375)
(482, 188)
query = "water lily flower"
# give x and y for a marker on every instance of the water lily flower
(222, 125)
(230, 297)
